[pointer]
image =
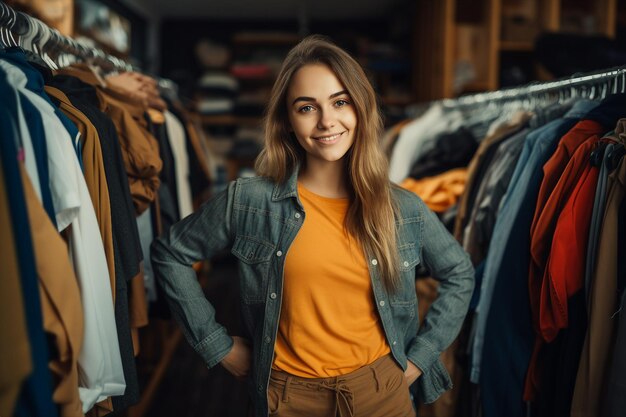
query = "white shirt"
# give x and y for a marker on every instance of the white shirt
(414, 139)
(176, 137)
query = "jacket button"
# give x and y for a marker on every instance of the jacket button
(260, 387)
(279, 253)
(374, 262)
(297, 215)
(382, 303)
(267, 339)
(273, 296)
(393, 343)
(406, 263)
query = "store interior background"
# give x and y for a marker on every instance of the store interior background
(414, 52)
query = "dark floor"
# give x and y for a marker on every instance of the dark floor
(188, 388)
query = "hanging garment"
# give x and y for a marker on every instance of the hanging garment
(593, 371)
(139, 148)
(418, 136)
(34, 82)
(562, 297)
(556, 188)
(60, 302)
(441, 191)
(33, 141)
(452, 150)
(503, 324)
(177, 141)
(95, 177)
(101, 372)
(480, 161)
(146, 236)
(200, 167)
(615, 393)
(35, 395)
(561, 174)
(491, 190)
(15, 352)
(84, 98)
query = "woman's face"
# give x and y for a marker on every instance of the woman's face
(321, 113)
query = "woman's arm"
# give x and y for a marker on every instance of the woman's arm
(195, 238)
(451, 266)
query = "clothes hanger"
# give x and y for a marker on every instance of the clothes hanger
(10, 18)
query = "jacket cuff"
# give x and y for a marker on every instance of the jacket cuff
(423, 354)
(214, 347)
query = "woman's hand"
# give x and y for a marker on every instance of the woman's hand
(412, 372)
(237, 361)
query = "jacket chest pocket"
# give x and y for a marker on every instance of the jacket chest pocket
(408, 257)
(254, 256)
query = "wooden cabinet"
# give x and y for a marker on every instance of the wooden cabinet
(460, 40)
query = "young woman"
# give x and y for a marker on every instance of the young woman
(327, 252)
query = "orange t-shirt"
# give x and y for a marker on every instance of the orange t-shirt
(328, 321)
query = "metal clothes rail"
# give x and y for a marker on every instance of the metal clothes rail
(17, 29)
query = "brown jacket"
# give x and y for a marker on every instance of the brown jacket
(15, 359)
(595, 358)
(140, 149)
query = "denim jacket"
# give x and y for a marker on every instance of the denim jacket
(259, 220)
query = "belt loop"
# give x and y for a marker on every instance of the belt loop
(285, 390)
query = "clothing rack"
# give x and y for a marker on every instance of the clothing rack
(595, 85)
(35, 36)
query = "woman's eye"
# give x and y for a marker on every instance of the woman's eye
(341, 103)
(305, 109)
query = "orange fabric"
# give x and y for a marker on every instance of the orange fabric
(328, 323)
(15, 356)
(441, 191)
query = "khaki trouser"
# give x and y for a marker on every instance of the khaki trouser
(375, 390)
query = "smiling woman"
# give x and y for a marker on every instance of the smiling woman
(327, 250)
(323, 121)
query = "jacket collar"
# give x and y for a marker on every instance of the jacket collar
(288, 188)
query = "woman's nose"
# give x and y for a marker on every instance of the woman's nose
(325, 121)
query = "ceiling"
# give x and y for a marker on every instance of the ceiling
(266, 9)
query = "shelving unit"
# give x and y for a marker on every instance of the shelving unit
(451, 32)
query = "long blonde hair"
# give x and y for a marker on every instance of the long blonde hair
(370, 218)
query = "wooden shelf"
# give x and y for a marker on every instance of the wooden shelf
(523, 46)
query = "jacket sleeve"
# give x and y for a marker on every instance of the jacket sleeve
(197, 237)
(451, 266)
